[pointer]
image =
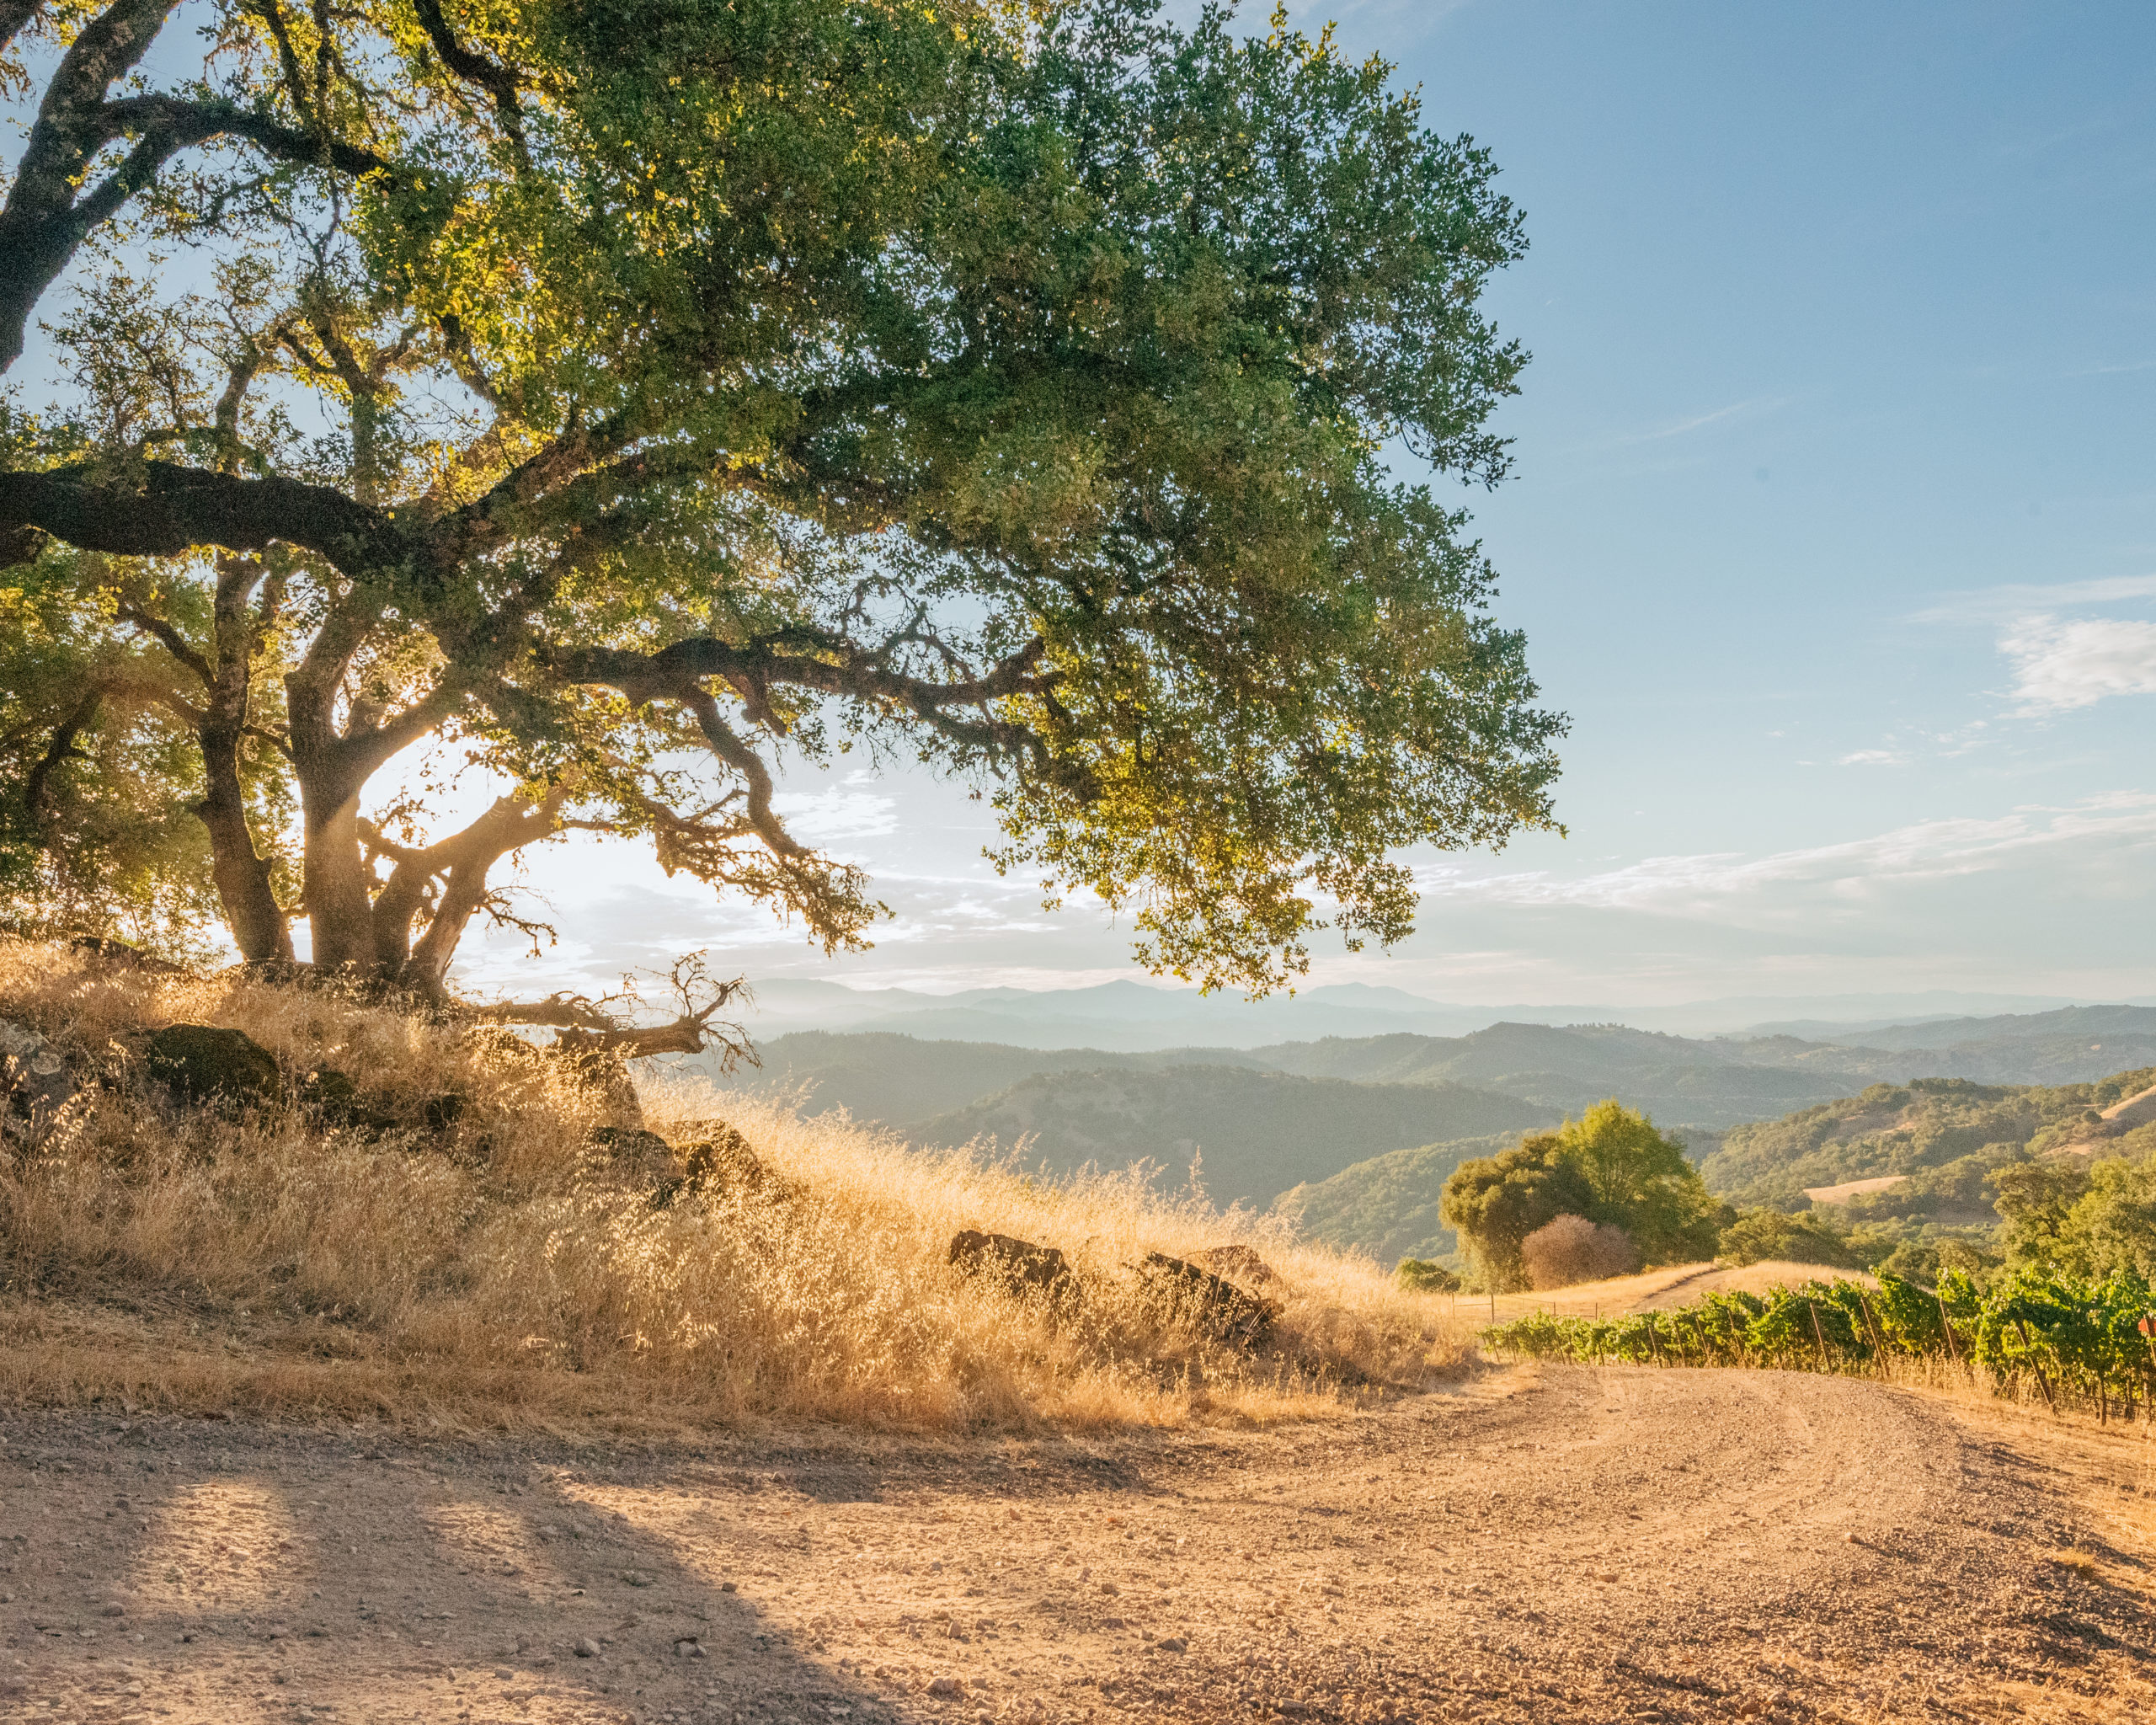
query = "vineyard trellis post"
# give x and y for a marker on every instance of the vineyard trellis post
(2043, 1383)
(1878, 1340)
(1818, 1334)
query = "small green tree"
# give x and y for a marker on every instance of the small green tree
(1611, 1166)
(1771, 1235)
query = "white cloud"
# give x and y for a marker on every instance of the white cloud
(829, 816)
(1795, 882)
(2059, 664)
(1872, 757)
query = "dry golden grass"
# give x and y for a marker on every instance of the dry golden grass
(1657, 1289)
(496, 1271)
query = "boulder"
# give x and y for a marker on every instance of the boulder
(1015, 1265)
(34, 1082)
(721, 1162)
(1215, 1307)
(202, 1063)
(1236, 1263)
(630, 1155)
(724, 1162)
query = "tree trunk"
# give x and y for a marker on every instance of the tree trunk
(339, 908)
(259, 926)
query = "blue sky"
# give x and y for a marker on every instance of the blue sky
(1835, 529)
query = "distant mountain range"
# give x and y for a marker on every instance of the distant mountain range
(1357, 1135)
(1131, 1017)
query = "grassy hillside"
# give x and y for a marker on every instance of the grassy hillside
(1259, 1133)
(1891, 1128)
(502, 1260)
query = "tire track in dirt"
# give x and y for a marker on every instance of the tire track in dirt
(1565, 1545)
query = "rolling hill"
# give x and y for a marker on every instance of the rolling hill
(1387, 1206)
(1257, 1133)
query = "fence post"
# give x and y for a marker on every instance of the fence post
(1812, 1307)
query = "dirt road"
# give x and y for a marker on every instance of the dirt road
(1570, 1545)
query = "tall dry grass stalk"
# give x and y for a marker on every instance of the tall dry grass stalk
(496, 1268)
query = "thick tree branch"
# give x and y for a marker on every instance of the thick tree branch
(13, 15)
(498, 81)
(175, 509)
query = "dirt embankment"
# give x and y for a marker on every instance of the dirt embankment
(1562, 1545)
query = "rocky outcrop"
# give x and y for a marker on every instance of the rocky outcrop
(203, 1064)
(1208, 1303)
(1236, 1263)
(1016, 1266)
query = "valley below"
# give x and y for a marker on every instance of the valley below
(1531, 1545)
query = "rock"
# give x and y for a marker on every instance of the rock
(629, 1156)
(202, 1064)
(118, 951)
(335, 1101)
(945, 1688)
(34, 1082)
(1216, 1308)
(587, 1648)
(1016, 1266)
(722, 1162)
(1171, 1644)
(1236, 1263)
(114, 1609)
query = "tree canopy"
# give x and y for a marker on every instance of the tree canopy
(1610, 1167)
(630, 399)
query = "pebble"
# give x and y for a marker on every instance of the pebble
(587, 1648)
(945, 1688)
(114, 1611)
(1171, 1644)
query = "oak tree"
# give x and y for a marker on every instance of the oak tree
(633, 396)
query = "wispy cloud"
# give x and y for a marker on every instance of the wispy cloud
(1873, 757)
(834, 815)
(1753, 409)
(1716, 883)
(2019, 600)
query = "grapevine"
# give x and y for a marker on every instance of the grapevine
(2083, 1343)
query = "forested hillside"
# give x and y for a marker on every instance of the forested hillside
(901, 1081)
(1258, 1133)
(1388, 1206)
(1889, 1130)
